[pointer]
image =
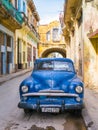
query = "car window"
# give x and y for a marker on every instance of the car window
(63, 66)
(54, 65)
(45, 65)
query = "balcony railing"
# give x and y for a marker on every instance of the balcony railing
(35, 32)
(32, 28)
(11, 10)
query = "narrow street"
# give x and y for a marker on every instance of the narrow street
(32, 31)
(13, 118)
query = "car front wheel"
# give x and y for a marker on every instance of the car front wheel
(26, 111)
(78, 112)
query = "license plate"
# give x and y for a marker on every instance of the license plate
(54, 110)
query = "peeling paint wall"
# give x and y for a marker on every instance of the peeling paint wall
(81, 48)
(90, 46)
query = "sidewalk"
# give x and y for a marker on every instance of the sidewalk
(90, 112)
(7, 77)
(91, 109)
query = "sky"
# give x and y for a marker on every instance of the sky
(49, 10)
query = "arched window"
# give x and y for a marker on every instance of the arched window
(55, 35)
(48, 36)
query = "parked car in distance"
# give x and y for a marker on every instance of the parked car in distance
(52, 87)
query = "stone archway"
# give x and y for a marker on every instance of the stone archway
(46, 52)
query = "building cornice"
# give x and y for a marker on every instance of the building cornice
(33, 8)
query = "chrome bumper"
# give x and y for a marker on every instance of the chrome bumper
(50, 94)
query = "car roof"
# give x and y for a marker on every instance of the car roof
(53, 59)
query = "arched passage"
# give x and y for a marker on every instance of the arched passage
(51, 50)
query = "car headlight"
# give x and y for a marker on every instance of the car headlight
(79, 89)
(24, 89)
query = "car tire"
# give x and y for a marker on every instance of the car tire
(26, 111)
(78, 112)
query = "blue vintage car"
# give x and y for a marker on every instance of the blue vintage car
(53, 86)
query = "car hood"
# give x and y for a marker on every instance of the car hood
(52, 79)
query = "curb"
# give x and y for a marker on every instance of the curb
(87, 120)
(13, 75)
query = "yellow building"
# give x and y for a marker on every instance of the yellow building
(10, 20)
(51, 40)
(90, 10)
(27, 38)
(81, 36)
(73, 32)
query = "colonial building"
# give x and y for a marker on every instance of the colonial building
(80, 32)
(18, 35)
(90, 11)
(51, 40)
(10, 20)
(72, 32)
(26, 38)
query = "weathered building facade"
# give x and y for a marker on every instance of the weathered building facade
(18, 35)
(73, 32)
(90, 9)
(10, 20)
(51, 39)
(27, 37)
(80, 31)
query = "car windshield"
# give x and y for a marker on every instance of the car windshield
(54, 65)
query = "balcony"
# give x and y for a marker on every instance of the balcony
(34, 31)
(9, 16)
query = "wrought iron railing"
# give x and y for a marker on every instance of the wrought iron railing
(11, 10)
(34, 31)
